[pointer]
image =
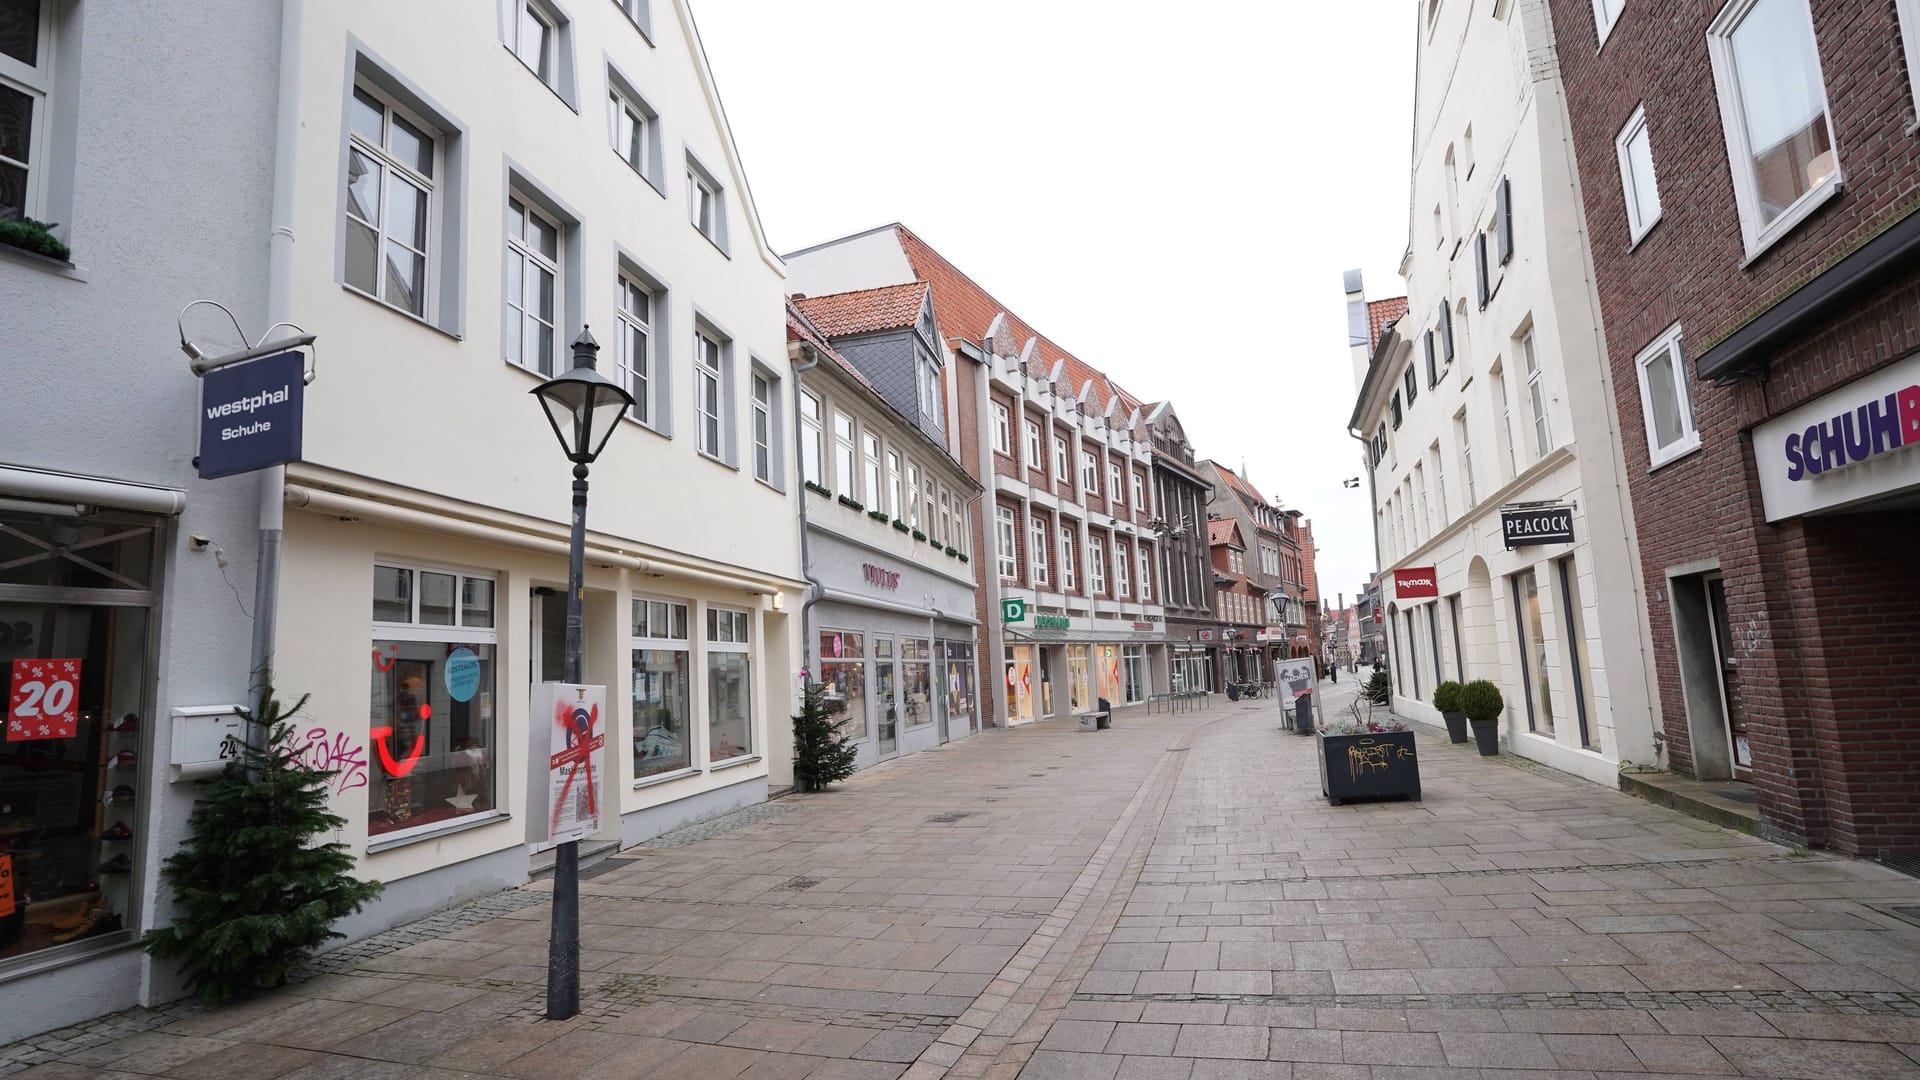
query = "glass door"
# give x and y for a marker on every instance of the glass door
(886, 698)
(1725, 665)
(1020, 676)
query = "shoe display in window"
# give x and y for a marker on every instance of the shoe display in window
(117, 832)
(123, 793)
(119, 864)
(128, 722)
(124, 757)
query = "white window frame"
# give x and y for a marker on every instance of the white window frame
(1145, 558)
(709, 381)
(621, 108)
(731, 634)
(846, 456)
(1746, 195)
(635, 372)
(392, 168)
(1537, 397)
(547, 68)
(1116, 491)
(929, 377)
(1689, 439)
(1636, 128)
(945, 538)
(1061, 470)
(1004, 541)
(520, 310)
(1089, 473)
(1603, 23)
(812, 438)
(36, 82)
(704, 191)
(1096, 564)
(870, 470)
(761, 398)
(1139, 493)
(1002, 430)
(913, 496)
(1066, 557)
(896, 493)
(1037, 549)
(1033, 444)
(1909, 11)
(1466, 457)
(1122, 574)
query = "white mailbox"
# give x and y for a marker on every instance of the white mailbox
(205, 738)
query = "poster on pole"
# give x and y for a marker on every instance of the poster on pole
(1294, 676)
(566, 762)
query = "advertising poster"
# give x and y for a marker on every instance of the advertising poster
(43, 701)
(1295, 677)
(570, 736)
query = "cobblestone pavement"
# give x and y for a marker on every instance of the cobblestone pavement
(1169, 899)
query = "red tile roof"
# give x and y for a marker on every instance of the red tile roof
(1239, 486)
(800, 328)
(964, 309)
(864, 311)
(1222, 531)
(1382, 312)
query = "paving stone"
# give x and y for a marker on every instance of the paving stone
(1808, 1059)
(1392, 1048)
(1493, 1050)
(1677, 1053)
(1221, 1041)
(1141, 1039)
(1297, 1044)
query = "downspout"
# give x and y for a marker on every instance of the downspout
(814, 587)
(273, 481)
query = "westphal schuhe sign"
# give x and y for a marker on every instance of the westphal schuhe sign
(1537, 525)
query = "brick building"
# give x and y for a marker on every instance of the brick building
(1181, 491)
(1749, 175)
(1065, 455)
(1239, 600)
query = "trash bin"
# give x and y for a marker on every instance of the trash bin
(1303, 714)
(1105, 718)
(1233, 692)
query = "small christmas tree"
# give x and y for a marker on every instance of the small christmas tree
(254, 892)
(822, 753)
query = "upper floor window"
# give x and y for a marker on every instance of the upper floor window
(1066, 557)
(1664, 400)
(633, 129)
(876, 493)
(709, 364)
(535, 39)
(1773, 106)
(1410, 381)
(1033, 444)
(1121, 583)
(1396, 410)
(1003, 540)
(391, 161)
(1115, 490)
(1536, 397)
(706, 204)
(1059, 458)
(929, 389)
(1635, 150)
(633, 344)
(1146, 574)
(812, 437)
(1037, 550)
(844, 480)
(637, 10)
(1089, 473)
(1096, 565)
(1002, 429)
(26, 88)
(895, 492)
(1139, 494)
(533, 286)
(1605, 14)
(763, 444)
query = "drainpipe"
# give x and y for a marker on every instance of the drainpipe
(273, 481)
(815, 588)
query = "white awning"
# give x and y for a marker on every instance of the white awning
(77, 490)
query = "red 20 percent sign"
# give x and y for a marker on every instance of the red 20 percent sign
(44, 702)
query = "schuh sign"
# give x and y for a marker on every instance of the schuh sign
(250, 415)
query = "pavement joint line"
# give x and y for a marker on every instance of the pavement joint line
(1878, 1002)
(1567, 868)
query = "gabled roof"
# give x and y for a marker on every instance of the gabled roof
(1382, 312)
(711, 92)
(1239, 485)
(864, 311)
(965, 309)
(1224, 531)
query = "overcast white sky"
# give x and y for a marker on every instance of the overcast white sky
(1169, 191)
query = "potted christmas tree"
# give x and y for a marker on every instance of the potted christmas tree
(822, 753)
(1446, 698)
(1482, 703)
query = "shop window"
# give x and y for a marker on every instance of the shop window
(960, 682)
(71, 765)
(662, 680)
(729, 686)
(916, 675)
(434, 682)
(884, 691)
(843, 677)
(1080, 677)
(1109, 673)
(1133, 661)
(1537, 686)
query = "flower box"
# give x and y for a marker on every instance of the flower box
(1368, 765)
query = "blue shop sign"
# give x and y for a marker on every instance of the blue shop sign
(250, 415)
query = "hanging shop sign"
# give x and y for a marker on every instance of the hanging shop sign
(1204, 635)
(1844, 447)
(1415, 583)
(250, 415)
(1531, 525)
(1013, 610)
(569, 734)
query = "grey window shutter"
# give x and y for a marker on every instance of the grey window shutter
(1480, 268)
(1446, 333)
(1433, 369)
(1506, 220)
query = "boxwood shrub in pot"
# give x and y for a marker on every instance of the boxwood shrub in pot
(1482, 703)
(1446, 698)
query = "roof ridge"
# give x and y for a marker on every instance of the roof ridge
(801, 298)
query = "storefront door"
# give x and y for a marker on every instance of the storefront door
(885, 699)
(76, 615)
(961, 699)
(1736, 720)
(1020, 676)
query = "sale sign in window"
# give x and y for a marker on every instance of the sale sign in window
(44, 702)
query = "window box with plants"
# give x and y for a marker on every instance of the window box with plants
(878, 515)
(852, 504)
(1446, 698)
(1480, 700)
(819, 489)
(1368, 759)
(899, 526)
(918, 535)
(34, 238)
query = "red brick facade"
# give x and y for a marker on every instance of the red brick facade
(1821, 622)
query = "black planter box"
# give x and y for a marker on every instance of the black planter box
(1372, 765)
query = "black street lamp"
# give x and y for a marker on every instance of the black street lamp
(584, 407)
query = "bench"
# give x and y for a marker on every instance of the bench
(1096, 719)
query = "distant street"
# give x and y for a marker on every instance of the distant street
(1170, 898)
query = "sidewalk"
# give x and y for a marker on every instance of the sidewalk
(1169, 898)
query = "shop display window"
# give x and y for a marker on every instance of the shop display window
(884, 693)
(960, 682)
(434, 685)
(916, 676)
(1133, 661)
(662, 680)
(1108, 675)
(843, 676)
(72, 754)
(729, 687)
(1079, 677)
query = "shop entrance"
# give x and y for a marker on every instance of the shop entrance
(1020, 676)
(1716, 723)
(76, 605)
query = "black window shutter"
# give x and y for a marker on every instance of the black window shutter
(1506, 221)
(1446, 332)
(1433, 369)
(1480, 267)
